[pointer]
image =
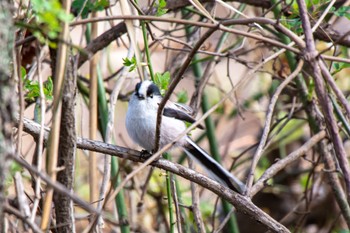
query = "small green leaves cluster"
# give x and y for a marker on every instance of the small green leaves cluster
(49, 15)
(339, 66)
(32, 88)
(162, 81)
(89, 6)
(315, 8)
(343, 11)
(160, 6)
(182, 97)
(131, 63)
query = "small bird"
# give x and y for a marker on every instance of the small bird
(141, 121)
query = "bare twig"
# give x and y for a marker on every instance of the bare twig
(40, 140)
(223, 223)
(195, 202)
(330, 80)
(332, 127)
(9, 209)
(176, 204)
(55, 185)
(336, 185)
(268, 121)
(21, 198)
(176, 80)
(108, 138)
(93, 114)
(115, 32)
(283, 163)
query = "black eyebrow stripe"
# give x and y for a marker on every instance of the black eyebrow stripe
(137, 87)
(153, 89)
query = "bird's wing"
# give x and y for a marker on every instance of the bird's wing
(177, 113)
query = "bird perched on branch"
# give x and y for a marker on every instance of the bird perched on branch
(141, 123)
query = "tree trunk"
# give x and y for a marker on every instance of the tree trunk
(7, 101)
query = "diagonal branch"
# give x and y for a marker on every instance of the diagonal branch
(311, 56)
(177, 79)
(242, 204)
(266, 131)
(283, 163)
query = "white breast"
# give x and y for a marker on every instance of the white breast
(141, 121)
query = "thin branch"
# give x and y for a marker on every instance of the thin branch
(177, 79)
(222, 26)
(93, 114)
(283, 163)
(115, 32)
(327, 109)
(195, 202)
(241, 203)
(10, 210)
(176, 204)
(330, 80)
(55, 185)
(335, 184)
(108, 138)
(266, 131)
(223, 223)
(40, 140)
(21, 198)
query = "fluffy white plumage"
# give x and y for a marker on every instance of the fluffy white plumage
(145, 110)
(141, 120)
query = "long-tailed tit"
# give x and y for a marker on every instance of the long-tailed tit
(141, 120)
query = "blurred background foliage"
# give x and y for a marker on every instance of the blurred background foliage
(299, 196)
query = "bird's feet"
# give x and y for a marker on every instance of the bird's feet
(145, 154)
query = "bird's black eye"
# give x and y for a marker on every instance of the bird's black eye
(152, 90)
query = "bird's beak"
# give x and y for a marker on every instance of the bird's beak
(140, 96)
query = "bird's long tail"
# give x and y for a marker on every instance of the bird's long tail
(215, 170)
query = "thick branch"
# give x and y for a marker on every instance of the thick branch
(241, 203)
(66, 154)
(101, 42)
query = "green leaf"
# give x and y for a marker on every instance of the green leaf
(13, 168)
(162, 81)
(160, 6)
(48, 89)
(33, 89)
(23, 72)
(100, 5)
(182, 97)
(130, 63)
(48, 17)
(77, 5)
(305, 181)
(343, 11)
(339, 66)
